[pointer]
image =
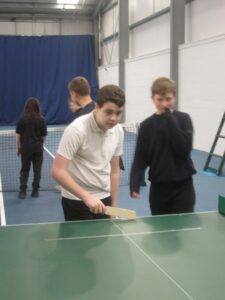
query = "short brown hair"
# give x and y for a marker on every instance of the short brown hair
(163, 85)
(80, 85)
(110, 93)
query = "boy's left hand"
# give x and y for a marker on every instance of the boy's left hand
(135, 195)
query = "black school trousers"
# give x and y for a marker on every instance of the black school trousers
(76, 210)
(36, 160)
(172, 197)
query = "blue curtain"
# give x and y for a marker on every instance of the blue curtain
(41, 67)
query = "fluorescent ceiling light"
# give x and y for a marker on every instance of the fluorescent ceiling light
(67, 4)
(72, 2)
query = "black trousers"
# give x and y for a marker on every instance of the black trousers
(76, 210)
(172, 197)
(36, 159)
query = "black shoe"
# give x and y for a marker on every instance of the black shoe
(35, 193)
(22, 195)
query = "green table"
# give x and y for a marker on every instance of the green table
(167, 257)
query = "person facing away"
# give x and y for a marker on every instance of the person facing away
(164, 145)
(87, 160)
(80, 101)
(30, 133)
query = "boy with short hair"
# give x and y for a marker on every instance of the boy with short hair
(164, 145)
(87, 161)
(80, 100)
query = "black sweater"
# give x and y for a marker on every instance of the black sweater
(164, 145)
(85, 110)
(32, 131)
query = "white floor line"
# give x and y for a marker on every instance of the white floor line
(50, 153)
(121, 234)
(2, 208)
(153, 262)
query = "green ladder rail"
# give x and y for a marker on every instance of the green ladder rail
(211, 153)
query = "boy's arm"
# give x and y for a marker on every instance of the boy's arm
(62, 176)
(115, 179)
(180, 138)
(139, 165)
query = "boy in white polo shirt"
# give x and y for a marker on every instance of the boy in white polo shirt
(87, 161)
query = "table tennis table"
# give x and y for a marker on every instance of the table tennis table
(158, 257)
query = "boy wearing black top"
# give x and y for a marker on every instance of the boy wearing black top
(164, 145)
(80, 101)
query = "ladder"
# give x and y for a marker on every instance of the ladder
(211, 153)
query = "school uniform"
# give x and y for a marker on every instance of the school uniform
(164, 145)
(89, 151)
(31, 131)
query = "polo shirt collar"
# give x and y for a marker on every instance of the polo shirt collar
(95, 128)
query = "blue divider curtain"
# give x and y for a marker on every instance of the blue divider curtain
(42, 67)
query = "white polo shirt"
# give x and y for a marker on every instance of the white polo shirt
(90, 150)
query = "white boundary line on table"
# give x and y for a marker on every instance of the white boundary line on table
(121, 234)
(106, 220)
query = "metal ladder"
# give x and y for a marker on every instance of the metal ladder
(211, 153)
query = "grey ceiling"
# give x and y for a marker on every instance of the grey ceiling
(40, 9)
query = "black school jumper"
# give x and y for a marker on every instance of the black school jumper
(164, 145)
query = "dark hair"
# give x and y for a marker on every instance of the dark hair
(110, 93)
(163, 85)
(80, 85)
(32, 108)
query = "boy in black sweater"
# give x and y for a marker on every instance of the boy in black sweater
(164, 145)
(80, 101)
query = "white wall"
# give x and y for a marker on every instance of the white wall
(46, 28)
(78, 27)
(204, 19)
(7, 28)
(140, 73)
(147, 39)
(202, 88)
(109, 21)
(140, 9)
(109, 50)
(108, 75)
(109, 53)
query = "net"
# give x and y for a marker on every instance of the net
(10, 164)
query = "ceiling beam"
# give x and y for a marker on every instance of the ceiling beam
(41, 16)
(43, 4)
(98, 7)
